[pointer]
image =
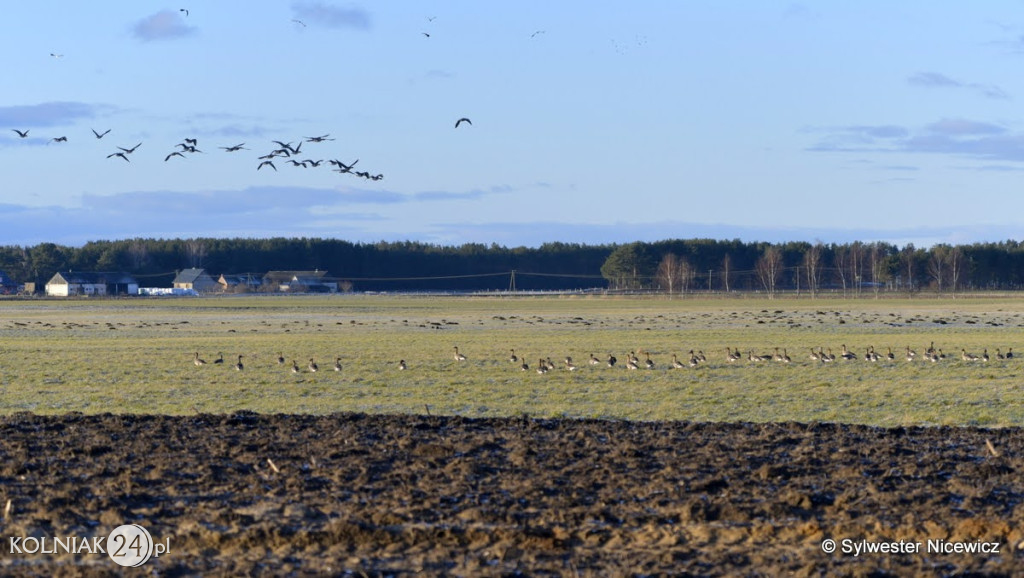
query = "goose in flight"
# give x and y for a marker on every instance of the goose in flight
(237, 147)
(55, 55)
(183, 10)
(59, 139)
(317, 138)
(299, 22)
(174, 154)
(100, 134)
(267, 163)
(463, 120)
(21, 134)
(131, 150)
(119, 154)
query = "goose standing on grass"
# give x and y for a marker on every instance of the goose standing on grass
(569, 364)
(525, 366)
(676, 363)
(512, 358)
(337, 364)
(239, 366)
(647, 361)
(611, 360)
(1009, 353)
(313, 367)
(999, 354)
(220, 358)
(401, 365)
(594, 360)
(458, 356)
(280, 358)
(198, 361)
(890, 356)
(542, 366)
(295, 366)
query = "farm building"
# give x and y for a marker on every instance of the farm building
(239, 283)
(71, 283)
(301, 281)
(195, 279)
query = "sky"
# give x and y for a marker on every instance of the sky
(591, 122)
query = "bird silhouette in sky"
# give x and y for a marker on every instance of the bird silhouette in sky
(22, 134)
(183, 10)
(131, 150)
(266, 163)
(100, 134)
(59, 139)
(463, 120)
(120, 154)
(237, 147)
(299, 22)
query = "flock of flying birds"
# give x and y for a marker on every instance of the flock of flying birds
(285, 151)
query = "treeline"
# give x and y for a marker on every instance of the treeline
(384, 266)
(679, 266)
(675, 266)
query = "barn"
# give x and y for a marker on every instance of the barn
(73, 283)
(195, 279)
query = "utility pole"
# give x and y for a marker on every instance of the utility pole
(709, 280)
(512, 282)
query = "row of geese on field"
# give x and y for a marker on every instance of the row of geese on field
(691, 359)
(311, 367)
(732, 355)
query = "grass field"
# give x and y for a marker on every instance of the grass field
(135, 356)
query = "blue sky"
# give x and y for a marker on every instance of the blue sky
(831, 121)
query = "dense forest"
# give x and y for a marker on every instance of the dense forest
(675, 266)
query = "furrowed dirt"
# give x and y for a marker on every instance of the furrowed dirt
(397, 495)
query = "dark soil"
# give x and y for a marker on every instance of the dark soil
(356, 494)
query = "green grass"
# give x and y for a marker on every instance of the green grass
(135, 356)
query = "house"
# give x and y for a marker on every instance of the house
(301, 281)
(196, 280)
(71, 283)
(239, 283)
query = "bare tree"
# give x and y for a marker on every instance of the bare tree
(856, 263)
(668, 273)
(842, 260)
(812, 266)
(195, 250)
(138, 253)
(769, 269)
(726, 271)
(907, 257)
(956, 262)
(937, 265)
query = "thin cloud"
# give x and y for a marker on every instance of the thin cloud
(938, 80)
(956, 137)
(473, 194)
(164, 25)
(48, 113)
(329, 16)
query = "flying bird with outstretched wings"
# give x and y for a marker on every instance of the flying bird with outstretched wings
(21, 133)
(100, 134)
(463, 120)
